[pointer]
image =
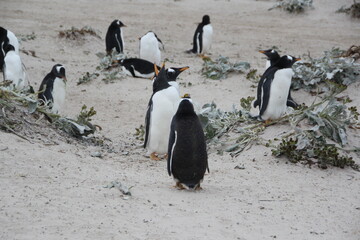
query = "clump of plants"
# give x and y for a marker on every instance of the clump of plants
(329, 68)
(353, 10)
(87, 77)
(75, 33)
(293, 6)
(27, 37)
(221, 67)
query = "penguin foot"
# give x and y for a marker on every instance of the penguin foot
(179, 186)
(154, 156)
(198, 187)
(205, 58)
(267, 122)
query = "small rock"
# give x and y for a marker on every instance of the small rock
(96, 154)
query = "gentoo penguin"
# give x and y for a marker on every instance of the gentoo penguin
(187, 157)
(272, 57)
(114, 37)
(13, 68)
(172, 73)
(150, 46)
(137, 67)
(7, 37)
(275, 87)
(161, 108)
(202, 37)
(53, 89)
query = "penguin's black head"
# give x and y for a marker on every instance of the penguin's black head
(186, 106)
(271, 54)
(59, 71)
(172, 73)
(160, 80)
(286, 61)
(205, 19)
(117, 23)
(8, 47)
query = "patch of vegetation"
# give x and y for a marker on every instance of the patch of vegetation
(87, 78)
(140, 133)
(27, 37)
(329, 68)
(221, 67)
(353, 10)
(293, 6)
(75, 33)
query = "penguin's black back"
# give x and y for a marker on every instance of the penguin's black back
(140, 65)
(113, 38)
(3, 41)
(187, 156)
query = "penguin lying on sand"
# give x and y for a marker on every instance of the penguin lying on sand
(7, 37)
(13, 69)
(53, 89)
(273, 57)
(161, 109)
(202, 37)
(114, 37)
(137, 67)
(187, 157)
(150, 46)
(274, 87)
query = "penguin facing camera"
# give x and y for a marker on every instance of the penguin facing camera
(13, 68)
(114, 37)
(52, 91)
(272, 57)
(274, 87)
(202, 37)
(161, 108)
(150, 48)
(187, 158)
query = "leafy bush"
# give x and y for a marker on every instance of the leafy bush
(220, 68)
(293, 6)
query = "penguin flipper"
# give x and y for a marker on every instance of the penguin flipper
(266, 95)
(147, 122)
(132, 71)
(290, 101)
(171, 146)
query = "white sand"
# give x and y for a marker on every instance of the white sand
(56, 191)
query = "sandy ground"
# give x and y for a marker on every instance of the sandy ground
(57, 191)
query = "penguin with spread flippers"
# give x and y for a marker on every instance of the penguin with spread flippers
(13, 68)
(202, 37)
(150, 48)
(274, 87)
(7, 37)
(114, 37)
(161, 108)
(52, 90)
(187, 156)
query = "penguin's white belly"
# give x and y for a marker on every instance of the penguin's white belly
(58, 94)
(149, 50)
(279, 91)
(13, 41)
(14, 70)
(175, 85)
(207, 38)
(165, 103)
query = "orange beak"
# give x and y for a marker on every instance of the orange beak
(183, 69)
(156, 70)
(261, 51)
(297, 59)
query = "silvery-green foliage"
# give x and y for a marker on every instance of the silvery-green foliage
(293, 6)
(220, 68)
(309, 74)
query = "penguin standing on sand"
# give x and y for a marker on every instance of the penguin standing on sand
(114, 37)
(53, 89)
(274, 88)
(272, 57)
(7, 37)
(150, 48)
(161, 109)
(13, 68)
(187, 157)
(202, 37)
